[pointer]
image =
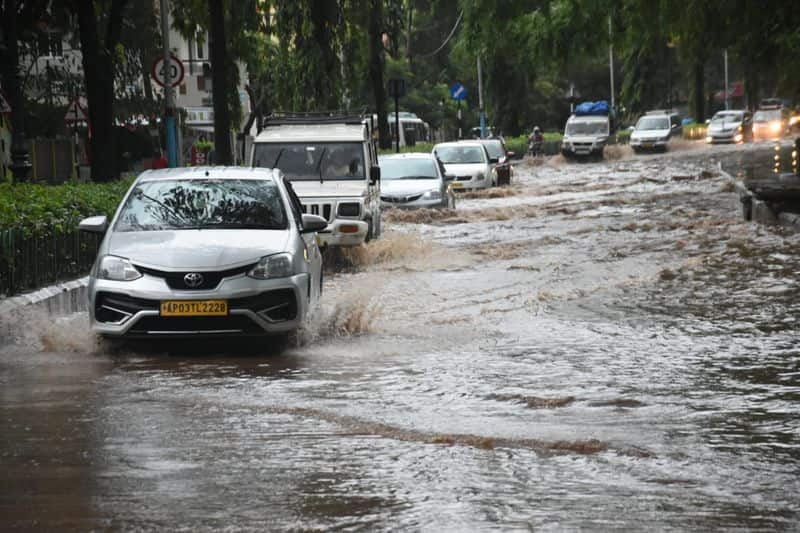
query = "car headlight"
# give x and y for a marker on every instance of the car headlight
(480, 176)
(349, 209)
(117, 269)
(776, 126)
(433, 194)
(273, 266)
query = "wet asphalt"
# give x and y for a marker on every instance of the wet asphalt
(600, 346)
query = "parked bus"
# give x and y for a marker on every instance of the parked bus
(413, 129)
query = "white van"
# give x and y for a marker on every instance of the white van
(585, 135)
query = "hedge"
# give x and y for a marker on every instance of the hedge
(38, 210)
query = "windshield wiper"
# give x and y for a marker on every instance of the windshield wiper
(277, 158)
(319, 165)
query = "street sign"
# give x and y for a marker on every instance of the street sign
(397, 88)
(5, 107)
(175, 74)
(458, 92)
(75, 113)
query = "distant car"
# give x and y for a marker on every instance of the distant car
(414, 180)
(205, 251)
(731, 126)
(770, 123)
(500, 158)
(466, 164)
(654, 130)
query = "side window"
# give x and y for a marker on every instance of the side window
(295, 204)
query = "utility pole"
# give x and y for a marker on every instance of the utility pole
(725, 57)
(170, 124)
(611, 61)
(480, 100)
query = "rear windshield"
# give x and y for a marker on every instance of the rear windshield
(310, 161)
(203, 204)
(409, 169)
(460, 154)
(653, 123)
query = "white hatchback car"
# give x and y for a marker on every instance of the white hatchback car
(205, 251)
(467, 164)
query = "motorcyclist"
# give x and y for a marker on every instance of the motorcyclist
(535, 140)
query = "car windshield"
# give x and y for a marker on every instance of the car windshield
(408, 169)
(495, 149)
(203, 204)
(727, 117)
(653, 123)
(310, 161)
(460, 154)
(767, 115)
(587, 128)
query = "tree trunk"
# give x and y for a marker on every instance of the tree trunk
(698, 81)
(219, 77)
(376, 70)
(13, 88)
(98, 70)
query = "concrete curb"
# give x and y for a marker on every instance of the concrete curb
(59, 299)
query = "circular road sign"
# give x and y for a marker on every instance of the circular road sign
(176, 71)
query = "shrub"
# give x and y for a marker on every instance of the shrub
(56, 209)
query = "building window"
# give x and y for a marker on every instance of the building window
(201, 83)
(200, 49)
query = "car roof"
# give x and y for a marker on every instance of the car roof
(312, 133)
(588, 118)
(408, 155)
(459, 143)
(220, 172)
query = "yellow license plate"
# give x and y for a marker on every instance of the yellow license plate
(194, 308)
(647, 145)
(457, 185)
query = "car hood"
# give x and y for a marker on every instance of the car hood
(197, 249)
(401, 187)
(723, 126)
(330, 189)
(649, 134)
(464, 169)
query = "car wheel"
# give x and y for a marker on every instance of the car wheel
(370, 231)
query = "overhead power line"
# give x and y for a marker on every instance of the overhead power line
(452, 32)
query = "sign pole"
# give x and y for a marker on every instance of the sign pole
(480, 100)
(169, 99)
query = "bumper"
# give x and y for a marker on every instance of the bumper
(715, 138)
(344, 233)
(580, 150)
(416, 204)
(460, 184)
(255, 307)
(660, 144)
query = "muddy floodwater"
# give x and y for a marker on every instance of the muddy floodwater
(600, 346)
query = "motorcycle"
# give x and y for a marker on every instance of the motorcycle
(535, 147)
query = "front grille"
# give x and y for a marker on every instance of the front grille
(279, 305)
(401, 199)
(175, 280)
(463, 178)
(202, 324)
(325, 210)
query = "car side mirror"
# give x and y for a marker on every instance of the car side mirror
(98, 224)
(708, 121)
(374, 174)
(631, 128)
(494, 160)
(313, 223)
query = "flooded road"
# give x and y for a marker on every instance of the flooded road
(600, 346)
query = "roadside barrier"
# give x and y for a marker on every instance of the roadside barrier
(30, 262)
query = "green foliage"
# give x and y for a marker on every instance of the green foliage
(56, 209)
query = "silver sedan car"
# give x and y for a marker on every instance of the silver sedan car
(205, 252)
(414, 180)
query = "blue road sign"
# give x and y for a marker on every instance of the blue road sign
(458, 92)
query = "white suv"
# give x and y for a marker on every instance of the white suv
(332, 164)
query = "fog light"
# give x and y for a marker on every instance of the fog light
(738, 138)
(348, 228)
(708, 139)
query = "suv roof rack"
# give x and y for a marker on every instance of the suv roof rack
(317, 117)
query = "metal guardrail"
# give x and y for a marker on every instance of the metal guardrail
(30, 262)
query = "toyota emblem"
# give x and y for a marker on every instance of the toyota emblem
(193, 280)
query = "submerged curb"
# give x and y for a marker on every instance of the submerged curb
(59, 299)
